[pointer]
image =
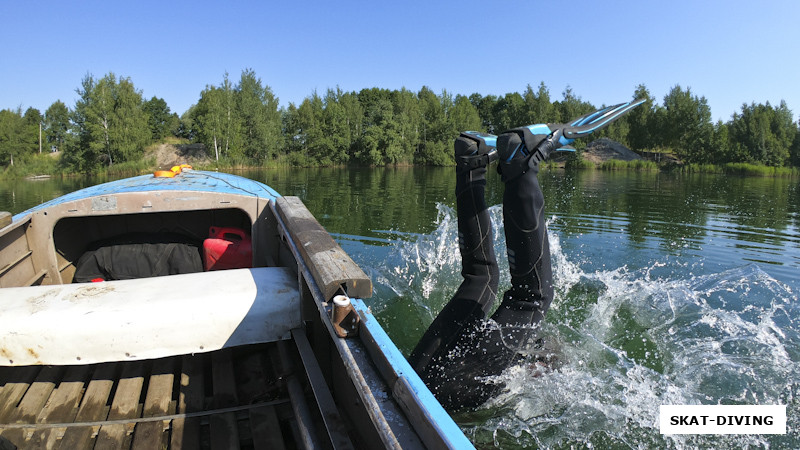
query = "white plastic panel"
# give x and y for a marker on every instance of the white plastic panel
(146, 318)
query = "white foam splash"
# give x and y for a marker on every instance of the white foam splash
(631, 342)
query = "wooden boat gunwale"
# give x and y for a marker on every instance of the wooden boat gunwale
(368, 368)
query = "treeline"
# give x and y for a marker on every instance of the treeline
(241, 123)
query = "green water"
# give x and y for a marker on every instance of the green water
(670, 290)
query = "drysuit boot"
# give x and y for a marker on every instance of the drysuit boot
(446, 357)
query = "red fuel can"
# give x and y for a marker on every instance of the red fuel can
(227, 248)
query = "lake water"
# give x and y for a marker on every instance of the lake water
(669, 290)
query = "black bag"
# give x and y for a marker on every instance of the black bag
(139, 256)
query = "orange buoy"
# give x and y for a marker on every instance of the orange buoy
(171, 172)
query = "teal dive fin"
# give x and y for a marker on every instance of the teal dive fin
(540, 140)
(589, 123)
(485, 152)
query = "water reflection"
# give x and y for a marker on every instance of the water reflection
(716, 217)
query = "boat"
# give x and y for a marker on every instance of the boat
(276, 349)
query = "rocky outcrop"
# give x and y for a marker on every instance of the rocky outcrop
(604, 149)
(168, 155)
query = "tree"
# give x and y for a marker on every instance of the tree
(510, 111)
(161, 121)
(337, 118)
(215, 121)
(571, 106)
(33, 126)
(109, 123)
(463, 116)
(795, 150)
(408, 117)
(11, 133)
(129, 132)
(354, 118)
(763, 134)
(57, 125)
(539, 107)
(311, 133)
(260, 120)
(485, 107)
(380, 141)
(686, 125)
(641, 120)
(436, 134)
(720, 144)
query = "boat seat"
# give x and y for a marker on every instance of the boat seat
(147, 318)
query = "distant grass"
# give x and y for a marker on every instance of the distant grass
(760, 171)
(169, 140)
(698, 168)
(174, 140)
(613, 165)
(741, 169)
(549, 164)
(580, 163)
(31, 165)
(139, 167)
(637, 164)
(241, 163)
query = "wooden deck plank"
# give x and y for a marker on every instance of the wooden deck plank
(149, 435)
(253, 377)
(266, 429)
(124, 406)
(145, 389)
(256, 381)
(30, 404)
(112, 437)
(129, 391)
(334, 424)
(61, 408)
(5, 219)
(43, 441)
(158, 402)
(186, 432)
(36, 396)
(15, 436)
(64, 402)
(17, 380)
(94, 407)
(224, 430)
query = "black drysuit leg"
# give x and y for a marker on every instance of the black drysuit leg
(461, 347)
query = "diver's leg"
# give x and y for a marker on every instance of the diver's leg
(525, 304)
(478, 290)
(491, 346)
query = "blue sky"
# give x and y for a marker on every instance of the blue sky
(730, 52)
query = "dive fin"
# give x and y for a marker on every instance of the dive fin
(587, 124)
(538, 141)
(484, 153)
(486, 138)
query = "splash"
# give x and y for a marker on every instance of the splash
(633, 343)
(426, 268)
(631, 340)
